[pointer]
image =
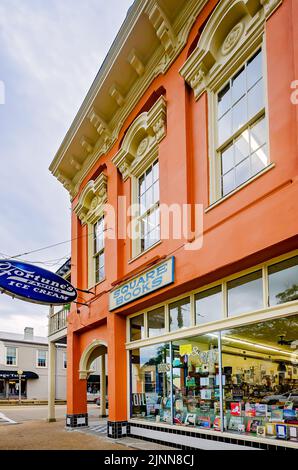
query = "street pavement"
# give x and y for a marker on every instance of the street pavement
(26, 428)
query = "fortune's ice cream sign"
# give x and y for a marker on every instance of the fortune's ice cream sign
(33, 284)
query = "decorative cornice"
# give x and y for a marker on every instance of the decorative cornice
(172, 42)
(144, 134)
(270, 6)
(136, 63)
(116, 94)
(162, 26)
(232, 25)
(92, 198)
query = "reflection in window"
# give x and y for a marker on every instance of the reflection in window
(245, 293)
(196, 381)
(156, 321)
(259, 377)
(179, 314)
(242, 126)
(208, 305)
(98, 250)
(137, 330)
(148, 198)
(283, 281)
(150, 383)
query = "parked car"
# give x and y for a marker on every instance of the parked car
(282, 398)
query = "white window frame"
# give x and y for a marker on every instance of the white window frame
(16, 362)
(137, 239)
(37, 358)
(99, 252)
(64, 360)
(214, 149)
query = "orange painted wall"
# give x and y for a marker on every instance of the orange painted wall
(256, 223)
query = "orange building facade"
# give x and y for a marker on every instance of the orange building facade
(195, 106)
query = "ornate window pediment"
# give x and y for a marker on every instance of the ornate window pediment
(233, 28)
(91, 200)
(141, 141)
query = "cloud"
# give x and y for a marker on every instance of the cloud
(50, 52)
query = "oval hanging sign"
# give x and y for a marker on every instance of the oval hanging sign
(33, 284)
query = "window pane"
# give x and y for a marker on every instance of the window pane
(283, 281)
(227, 158)
(239, 116)
(208, 305)
(242, 146)
(255, 99)
(224, 128)
(156, 322)
(242, 172)
(142, 185)
(155, 171)
(195, 381)
(228, 182)
(258, 376)
(224, 100)
(245, 293)
(259, 160)
(180, 314)
(258, 135)
(254, 69)
(137, 328)
(238, 85)
(150, 383)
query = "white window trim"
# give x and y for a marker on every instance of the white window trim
(209, 67)
(17, 351)
(215, 194)
(41, 367)
(136, 250)
(91, 255)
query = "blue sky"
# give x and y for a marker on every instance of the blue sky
(50, 52)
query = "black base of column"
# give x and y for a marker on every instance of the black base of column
(118, 429)
(77, 420)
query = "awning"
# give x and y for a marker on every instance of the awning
(13, 374)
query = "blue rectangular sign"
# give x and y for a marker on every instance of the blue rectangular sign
(149, 281)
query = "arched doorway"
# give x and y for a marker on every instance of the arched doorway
(96, 349)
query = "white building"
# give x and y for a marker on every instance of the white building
(29, 354)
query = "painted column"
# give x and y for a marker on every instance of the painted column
(103, 385)
(51, 382)
(77, 415)
(117, 390)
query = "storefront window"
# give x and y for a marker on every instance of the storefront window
(208, 305)
(151, 383)
(245, 293)
(179, 314)
(196, 381)
(137, 329)
(283, 281)
(261, 378)
(156, 322)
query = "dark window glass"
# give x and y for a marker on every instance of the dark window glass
(156, 321)
(180, 314)
(245, 293)
(137, 330)
(208, 305)
(283, 281)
